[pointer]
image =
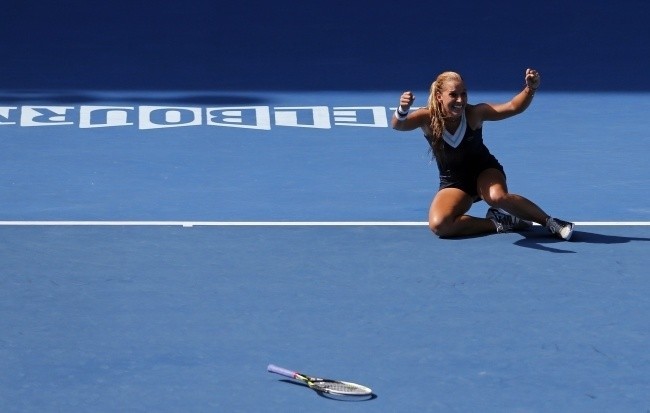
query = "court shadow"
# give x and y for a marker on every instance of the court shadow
(541, 240)
(465, 237)
(593, 238)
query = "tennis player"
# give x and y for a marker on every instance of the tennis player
(468, 171)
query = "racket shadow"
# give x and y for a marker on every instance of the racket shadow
(337, 397)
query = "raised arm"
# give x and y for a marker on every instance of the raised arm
(516, 105)
(402, 119)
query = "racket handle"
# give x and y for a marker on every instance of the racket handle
(281, 371)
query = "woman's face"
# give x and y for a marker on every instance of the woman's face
(452, 98)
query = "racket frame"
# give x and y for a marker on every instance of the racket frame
(312, 382)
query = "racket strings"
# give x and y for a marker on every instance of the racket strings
(340, 387)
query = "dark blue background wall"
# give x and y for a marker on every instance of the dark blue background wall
(289, 45)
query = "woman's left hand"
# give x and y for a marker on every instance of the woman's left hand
(532, 78)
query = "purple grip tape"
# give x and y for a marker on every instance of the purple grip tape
(279, 370)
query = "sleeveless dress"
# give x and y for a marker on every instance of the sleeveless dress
(462, 157)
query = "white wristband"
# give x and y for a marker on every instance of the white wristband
(399, 115)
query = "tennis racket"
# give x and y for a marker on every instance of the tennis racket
(328, 386)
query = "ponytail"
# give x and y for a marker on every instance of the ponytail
(437, 122)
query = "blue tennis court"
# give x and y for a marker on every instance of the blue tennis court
(182, 203)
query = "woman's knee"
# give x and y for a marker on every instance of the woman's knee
(493, 188)
(496, 199)
(503, 200)
(447, 206)
(441, 226)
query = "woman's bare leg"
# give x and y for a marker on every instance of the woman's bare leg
(494, 191)
(447, 215)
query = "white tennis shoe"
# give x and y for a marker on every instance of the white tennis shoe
(562, 229)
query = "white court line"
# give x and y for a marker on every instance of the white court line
(212, 223)
(271, 223)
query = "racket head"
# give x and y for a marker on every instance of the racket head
(325, 386)
(338, 387)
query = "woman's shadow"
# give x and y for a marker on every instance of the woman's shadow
(539, 238)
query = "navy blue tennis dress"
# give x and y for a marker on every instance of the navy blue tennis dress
(462, 157)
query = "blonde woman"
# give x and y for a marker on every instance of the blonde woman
(468, 171)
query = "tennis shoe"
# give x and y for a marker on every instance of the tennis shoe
(562, 229)
(505, 222)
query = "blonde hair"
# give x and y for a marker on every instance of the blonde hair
(437, 120)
